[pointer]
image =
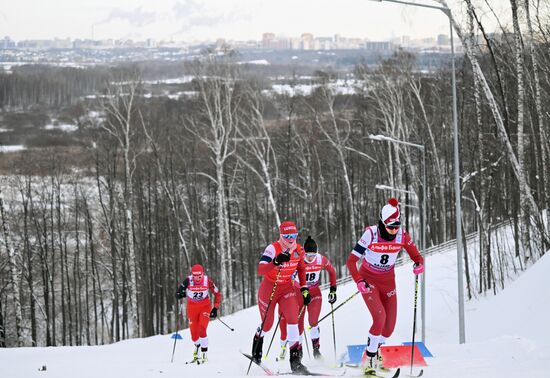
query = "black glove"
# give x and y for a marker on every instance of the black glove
(182, 291)
(214, 313)
(306, 295)
(282, 258)
(332, 295)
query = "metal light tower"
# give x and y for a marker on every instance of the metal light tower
(423, 222)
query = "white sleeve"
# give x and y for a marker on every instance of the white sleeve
(268, 255)
(363, 243)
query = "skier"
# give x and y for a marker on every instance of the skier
(278, 263)
(197, 288)
(378, 249)
(314, 264)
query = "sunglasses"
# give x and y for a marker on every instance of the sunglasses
(290, 236)
(394, 227)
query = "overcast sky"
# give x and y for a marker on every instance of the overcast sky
(211, 19)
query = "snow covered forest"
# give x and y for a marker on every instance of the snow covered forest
(100, 225)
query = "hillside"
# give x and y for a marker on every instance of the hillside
(507, 335)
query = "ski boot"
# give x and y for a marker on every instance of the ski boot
(282, 355)
(316, 345)
(196, 354)
(204, 357)
(257, 348)
(296, 361)
(370, 363)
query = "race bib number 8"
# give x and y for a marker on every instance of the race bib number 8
(381, 256)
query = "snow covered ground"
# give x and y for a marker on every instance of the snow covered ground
(66, 127)
(12, 148)
(506, 335)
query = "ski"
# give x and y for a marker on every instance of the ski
(382, 375)
(262, 366)
(311, 373)
(194, 361)
(420, 373)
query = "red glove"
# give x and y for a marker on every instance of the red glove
(363, 287)
(418, 269)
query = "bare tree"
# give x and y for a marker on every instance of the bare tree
(544, 143)
(122, 124)
(440, 176)
(14, 272)
(214, 123)
(523, 200)
(337, 131)
(497, 116)
(254, 133)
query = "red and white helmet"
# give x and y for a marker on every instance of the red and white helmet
(389, 215)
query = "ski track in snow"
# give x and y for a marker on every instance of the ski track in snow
(506, 335)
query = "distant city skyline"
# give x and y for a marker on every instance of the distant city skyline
(193, 20)
(269, 41)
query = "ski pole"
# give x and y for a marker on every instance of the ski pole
(272, 338)
(176, 334)
(337, 307)
(333, 333)
(414, 319)
(302, 312)
(232, 329)
(267, 309)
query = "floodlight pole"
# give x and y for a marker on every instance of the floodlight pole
(423, 221)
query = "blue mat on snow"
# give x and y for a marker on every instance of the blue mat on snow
(425, 352)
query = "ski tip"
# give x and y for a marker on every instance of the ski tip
(420, 373)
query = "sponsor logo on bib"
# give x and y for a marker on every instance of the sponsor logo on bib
(385, 247)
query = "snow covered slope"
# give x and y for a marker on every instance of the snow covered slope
(507, 334)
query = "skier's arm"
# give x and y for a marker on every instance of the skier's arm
(182, 289)
(217, 293)
(330, 270)
(358, 252)
(266, 261)
(301, 269)
(352, 267)
(411, 249)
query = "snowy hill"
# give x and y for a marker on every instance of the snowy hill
(507, 334)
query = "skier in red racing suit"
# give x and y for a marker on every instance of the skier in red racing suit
(314, 264)
(278, 263)
(196, 288)
(378, 249)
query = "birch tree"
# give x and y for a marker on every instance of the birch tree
(497, 116)
(523, 204)
(435, 159)
(541, 116)
(253, 133)
(121, 108)
(337, 132)
(214, 123)
(14, 272)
